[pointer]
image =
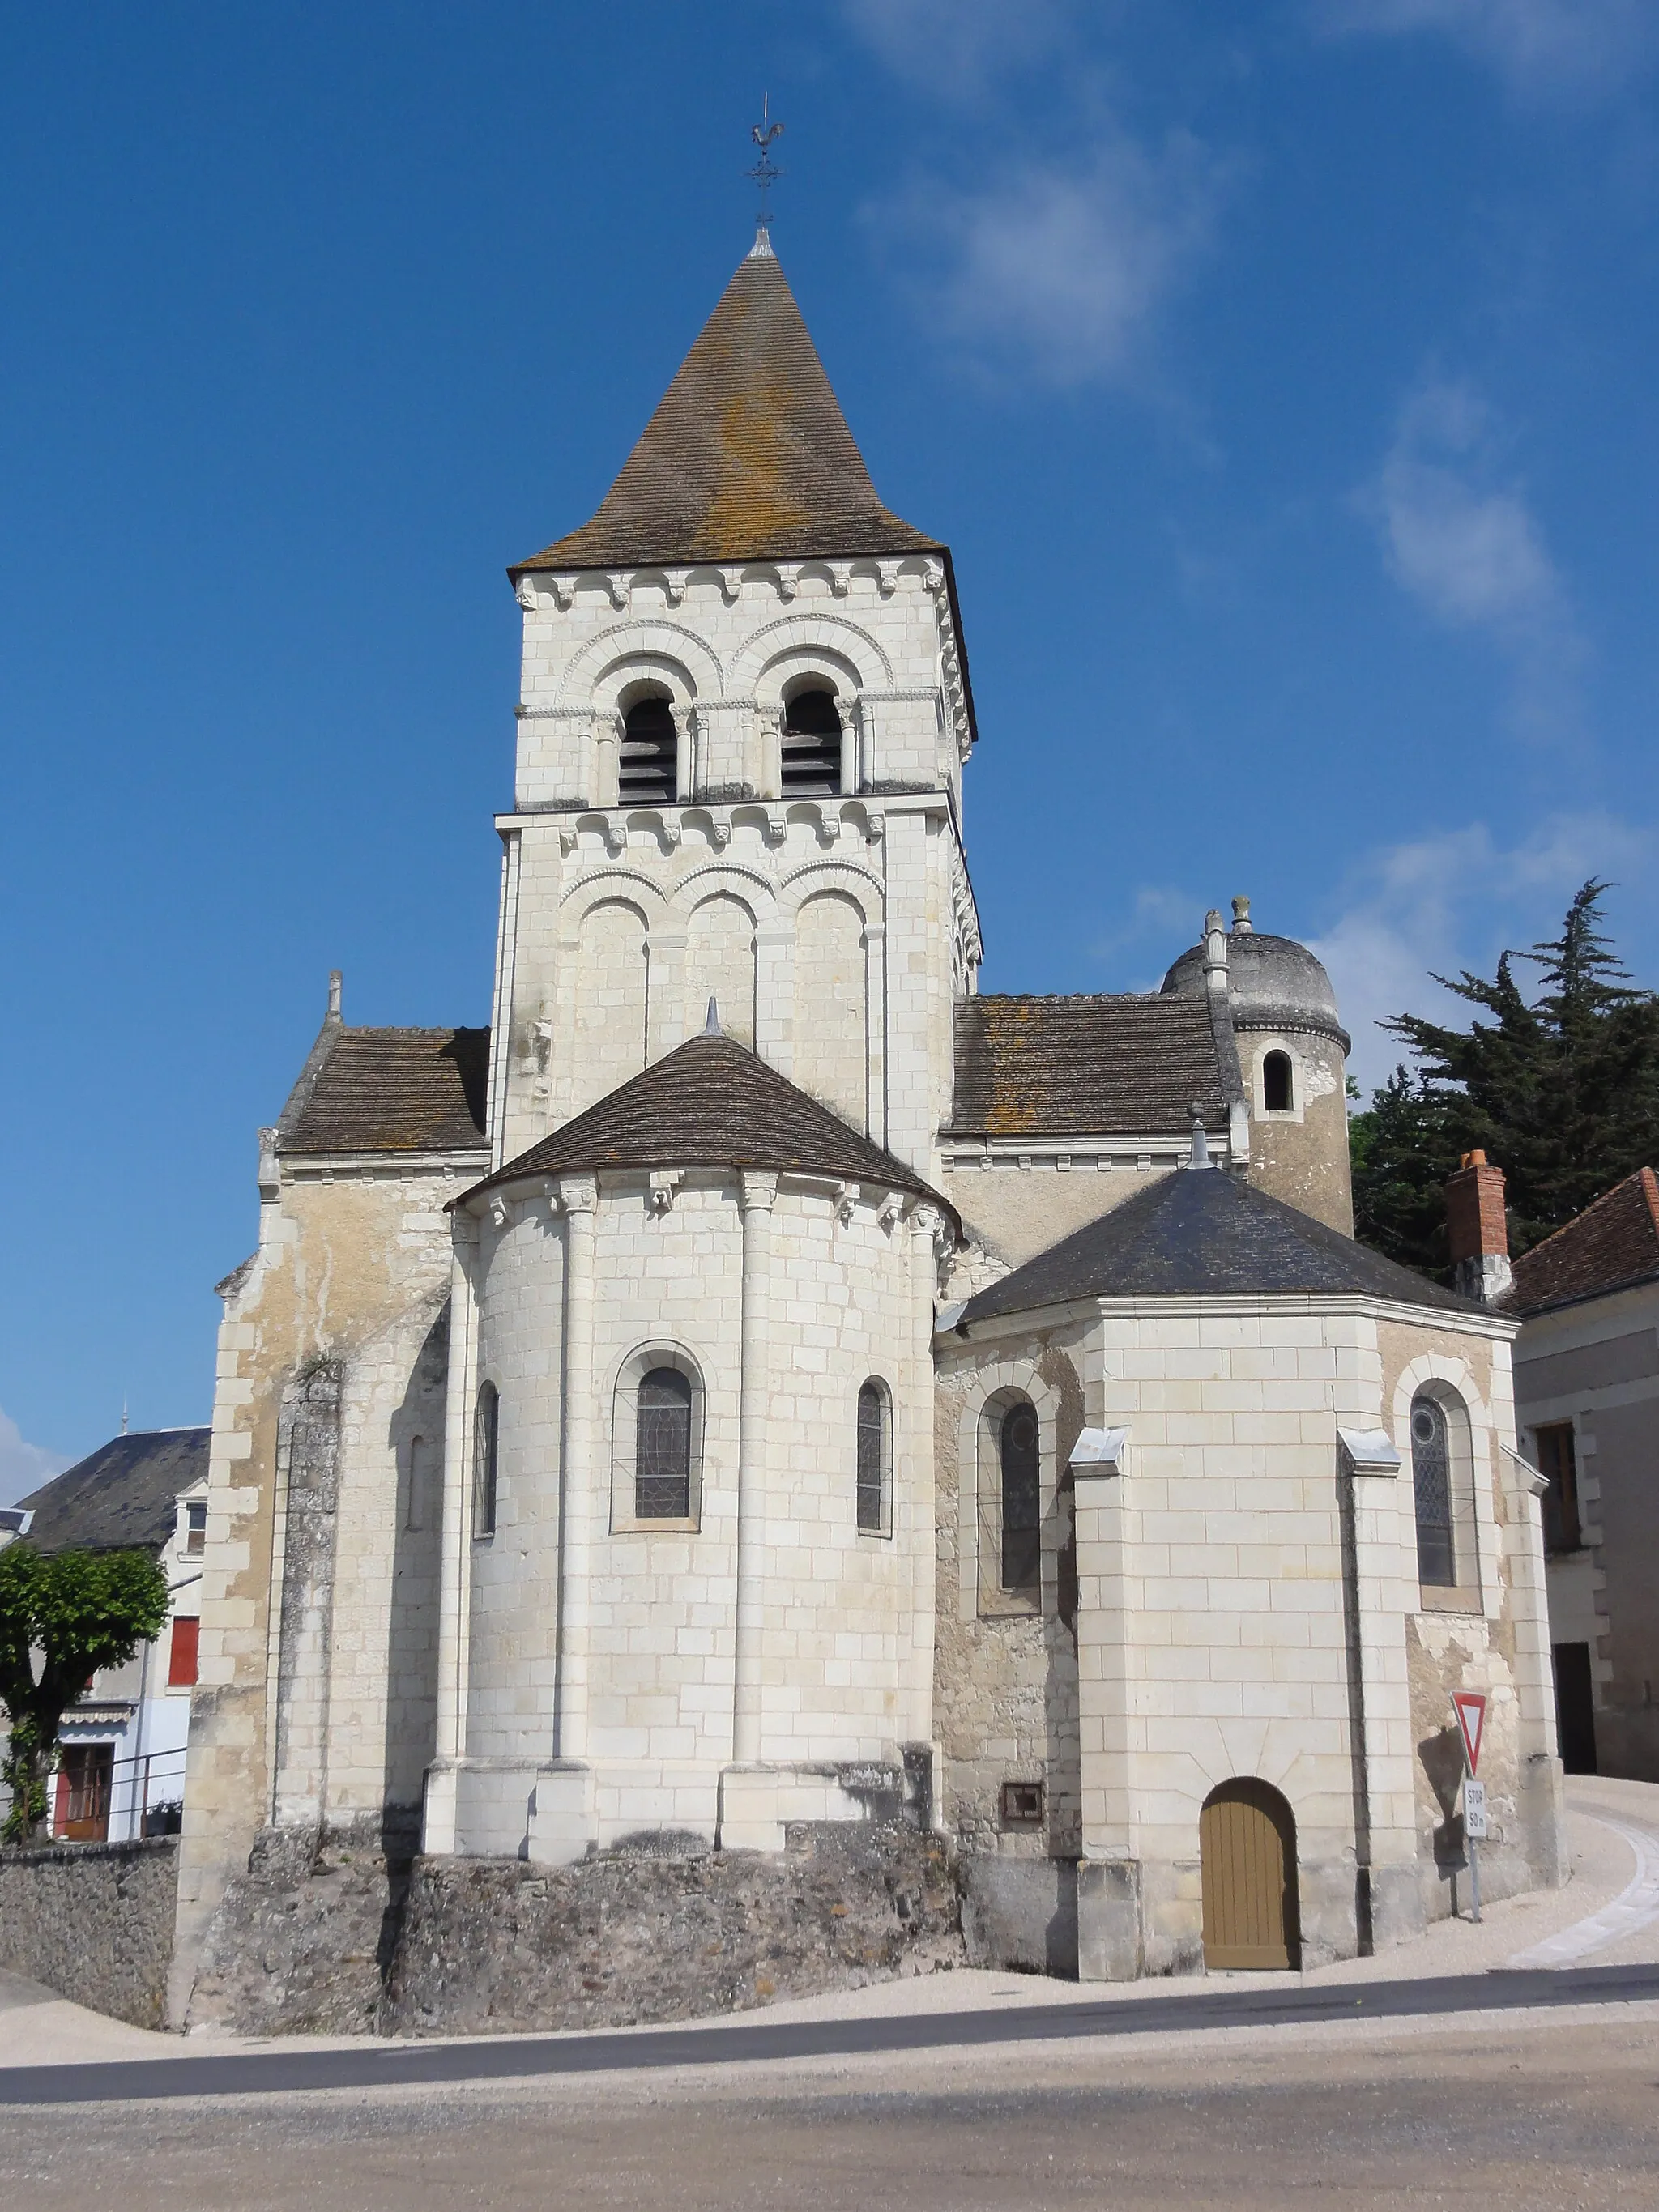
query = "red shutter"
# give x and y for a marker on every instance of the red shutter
(181, 1665)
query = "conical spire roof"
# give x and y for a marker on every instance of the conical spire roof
(748, 457)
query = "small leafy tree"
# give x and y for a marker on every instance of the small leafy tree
(63, 1617)
(1561, 1090)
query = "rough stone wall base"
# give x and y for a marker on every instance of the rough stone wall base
(94, 1923)
(1019, 1914)
(304, 1940)
(338, 1932)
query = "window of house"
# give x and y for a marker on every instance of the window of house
(812, 746)
(1277, 1092)
(486, 1458)
(662, 1446)
(1019, 1454)
(1431, 1480)
(195, 1530)
(85, 1776)
(875, 1460)
(1557, 1460)
(649, 765)
(182, 1651)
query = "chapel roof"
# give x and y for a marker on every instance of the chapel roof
(712, 1103)
(1065, 1067)
(748, 456)
(390, 1090)
(126, 1492)
(1611, 1246)
(1202, 1231)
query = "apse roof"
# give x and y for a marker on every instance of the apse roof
(748, 456)
(713, 1104)
(1203, 1232)
(1613, 1244)
(1067, 1067)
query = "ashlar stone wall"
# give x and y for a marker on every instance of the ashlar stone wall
(315, 1699)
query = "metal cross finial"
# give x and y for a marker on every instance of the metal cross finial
(766, 172)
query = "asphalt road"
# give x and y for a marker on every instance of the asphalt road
(1521, 2116)
(438, 2064)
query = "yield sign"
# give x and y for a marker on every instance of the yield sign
(1470, 1706)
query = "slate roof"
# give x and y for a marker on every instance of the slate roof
(390, 1090)
(125, 1493)
(1611, 1245)
(714, 1103)
(1029, 1067)
(748, 456)
(1202, 1231)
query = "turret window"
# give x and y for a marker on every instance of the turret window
(486, 1454)
(1278, 1086)
(647, 769)
(812, 746)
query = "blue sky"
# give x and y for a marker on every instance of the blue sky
(1281, 376)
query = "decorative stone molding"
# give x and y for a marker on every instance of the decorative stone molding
(846, 1201)
(664, 1182)
(887, 578)
(617, 583)
(841, 578)
(525, 595)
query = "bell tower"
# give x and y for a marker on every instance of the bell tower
(742, 721)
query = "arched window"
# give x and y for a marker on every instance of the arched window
(875, 1484)
(662, 1446)
(647, 769)
(1431, 1479)
(1277, 1092)
(486, 1456)
(812, 746)
(1020, 1456)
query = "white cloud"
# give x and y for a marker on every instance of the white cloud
(1455, 899)
(1470, 550)
(1058, 270)
(23, 1467)
(958, 48)
(1545, 50)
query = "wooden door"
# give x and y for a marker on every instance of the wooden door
(85, 1773)
(1246, 1850)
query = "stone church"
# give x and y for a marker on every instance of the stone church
(761, 1380)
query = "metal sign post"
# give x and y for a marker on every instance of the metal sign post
(1470, 1708)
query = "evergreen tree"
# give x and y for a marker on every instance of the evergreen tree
(1562, 1092)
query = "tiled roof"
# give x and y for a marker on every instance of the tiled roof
(1201, 1232)
(390, 1090)
(1085, 1065)
(1611, 1245)
(748, 456)
(713, 1104)
(125, 1493)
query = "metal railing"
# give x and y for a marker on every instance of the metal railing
(143, 1795)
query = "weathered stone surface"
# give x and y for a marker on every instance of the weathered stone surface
(94, 1922)
(304, 1940)
(491, 1945)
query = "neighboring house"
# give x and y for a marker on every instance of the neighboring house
(121, 1765)
(1586, 1398)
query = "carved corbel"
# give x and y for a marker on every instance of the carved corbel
(828, 829)
(890, 1212)
(665, 1182)
(789, 574)
(525, 595)
(875, 829)
(777, 825)
(933, 577)
(846, 1197)
(500, 1209)
(564, 593)
(614, 834)
(675, 579)
(720, 832)
(887, 578)
(841, 578)
(730, 584)
(616, 583)
(566, 841)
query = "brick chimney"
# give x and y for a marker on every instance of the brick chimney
(1477, 1231)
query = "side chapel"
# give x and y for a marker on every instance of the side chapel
(760, 1376)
